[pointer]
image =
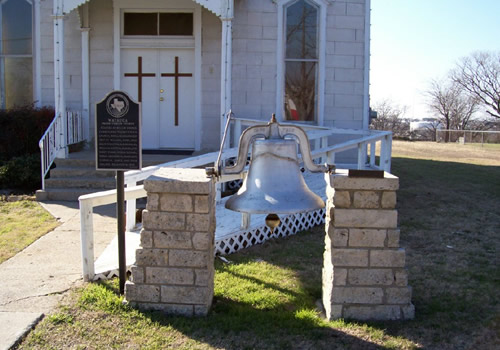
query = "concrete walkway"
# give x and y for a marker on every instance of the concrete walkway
(34, 281)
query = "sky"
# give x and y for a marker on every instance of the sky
(415, 41)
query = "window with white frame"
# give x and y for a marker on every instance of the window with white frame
(16, 53)
(157, 24)
(301, 58)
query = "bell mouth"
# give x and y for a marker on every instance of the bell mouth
(274, 183)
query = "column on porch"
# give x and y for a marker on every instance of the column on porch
(85, 29)
(226, 17)
(59, 88)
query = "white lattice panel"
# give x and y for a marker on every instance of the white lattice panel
(290, 225)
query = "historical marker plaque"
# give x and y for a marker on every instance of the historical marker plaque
(118, 133)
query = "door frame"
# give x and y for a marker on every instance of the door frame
(119, 6)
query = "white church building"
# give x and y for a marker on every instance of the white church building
(190, 61)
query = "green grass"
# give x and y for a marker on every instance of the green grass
(259, 303)
(22, 223)
(266, 297)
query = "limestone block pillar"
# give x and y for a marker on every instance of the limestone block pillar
(174, 270)
(364, 275)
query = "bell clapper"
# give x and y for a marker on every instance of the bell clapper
(272, 221)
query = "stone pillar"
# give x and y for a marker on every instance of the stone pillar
(174, 270)
(364, 275)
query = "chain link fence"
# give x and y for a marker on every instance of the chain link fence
(467, 136)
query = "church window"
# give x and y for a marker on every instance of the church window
(16, 53)
(157, 24)
(301, 61)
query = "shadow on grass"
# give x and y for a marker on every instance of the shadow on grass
(239, 325)
(449, 216)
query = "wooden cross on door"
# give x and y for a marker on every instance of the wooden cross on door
(176, 75)
(139, 76)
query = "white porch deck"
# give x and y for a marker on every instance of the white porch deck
(229, 237)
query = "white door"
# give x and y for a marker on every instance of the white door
(163, 81)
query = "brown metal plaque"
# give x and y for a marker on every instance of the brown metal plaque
(379, 174)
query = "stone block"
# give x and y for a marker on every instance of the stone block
(204, 277)
(341, 181)
(353, 22)
(189, 258)
(393, 238)
(355, 9)
(169, 309)
(142, 292)
(172, 239)
(174, 202)
(151, 257)
(357, 295)
(366, 237)
(408, 312)
(400, 277)
(349, 257)
(398, 295)
(366, 199)
(368, 277)
(339, 277)
(169, 275)
(346, 74)
(372, 218)
(137, 274)
(201, 310)
(387, 258)
(153, 201)
(179, 180)
(146, 239)
(163, 221)
(184, 295)
(342, 199)
(339, 236)
(201, 204)
(202, 240)
(378, 312)
(344, 100)
(199, 222)
(335, 312)
(388, 200)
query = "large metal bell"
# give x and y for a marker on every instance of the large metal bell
(274, 183)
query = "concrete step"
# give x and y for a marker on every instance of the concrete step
(62, 172)
(74, 162)
(62, 194)
(94, 183)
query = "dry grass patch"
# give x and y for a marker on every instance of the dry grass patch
(22, 223)
(489, 154)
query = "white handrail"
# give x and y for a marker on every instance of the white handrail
(323, 151)
(52, 140)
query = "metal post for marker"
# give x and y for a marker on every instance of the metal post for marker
(120, 213)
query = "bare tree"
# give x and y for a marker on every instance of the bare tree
(479, 75)
(390, 118)
(449, 102)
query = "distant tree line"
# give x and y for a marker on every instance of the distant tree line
(467, 98)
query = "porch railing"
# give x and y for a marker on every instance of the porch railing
(321, 151)
(53, 139)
